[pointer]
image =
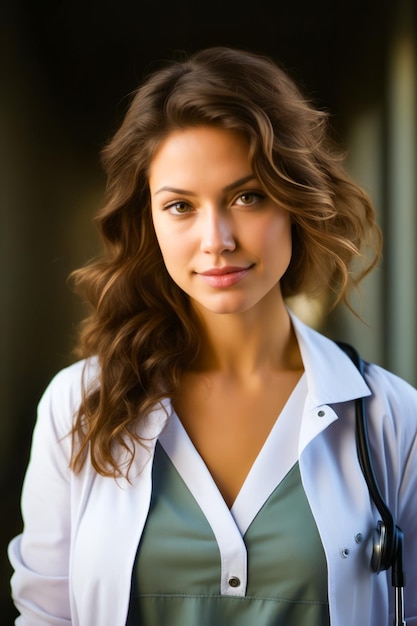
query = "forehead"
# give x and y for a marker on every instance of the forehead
(201, 153)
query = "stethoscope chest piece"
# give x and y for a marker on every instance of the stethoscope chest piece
(379, 548)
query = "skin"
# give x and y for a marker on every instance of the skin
(226, 244)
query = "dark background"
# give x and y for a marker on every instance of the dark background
(67, 68)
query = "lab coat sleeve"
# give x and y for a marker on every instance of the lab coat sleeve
(407, 509)
(40, 555)
(407, 522)
(396, 467)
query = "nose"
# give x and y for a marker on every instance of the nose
(217, 232)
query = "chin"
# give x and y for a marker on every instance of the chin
(223, 307)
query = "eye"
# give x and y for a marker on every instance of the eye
(178, 208)
(249, 198)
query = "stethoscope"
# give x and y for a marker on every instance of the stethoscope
(388, 538)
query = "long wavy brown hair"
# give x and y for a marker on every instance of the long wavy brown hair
(141, 327)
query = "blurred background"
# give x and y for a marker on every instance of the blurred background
(67, 69)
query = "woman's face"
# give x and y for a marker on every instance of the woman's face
(224, 242)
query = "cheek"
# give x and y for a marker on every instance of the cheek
(274, 235)
(166, 247)
(173, 250)
(277, 245)
(175, 240)
(163, 237)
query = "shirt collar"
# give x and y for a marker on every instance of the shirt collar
(331, 375)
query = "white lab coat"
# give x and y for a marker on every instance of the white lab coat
(73, 562)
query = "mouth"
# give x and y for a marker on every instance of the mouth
(223, 277)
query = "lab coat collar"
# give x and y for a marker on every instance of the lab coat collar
(331, 375)
(331, 378)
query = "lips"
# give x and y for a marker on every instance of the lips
(223, 277)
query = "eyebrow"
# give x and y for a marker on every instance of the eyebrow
(236, 183)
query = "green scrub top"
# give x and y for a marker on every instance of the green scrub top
(176, 578)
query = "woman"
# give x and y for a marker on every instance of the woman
(199, 466)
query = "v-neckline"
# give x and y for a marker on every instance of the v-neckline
(276, 457)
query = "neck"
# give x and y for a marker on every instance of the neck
(243, 344)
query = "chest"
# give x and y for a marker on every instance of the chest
(229, 423)
(192, 546)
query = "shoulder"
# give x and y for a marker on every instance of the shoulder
(393, 404)
(391, 388)
(62, 397)
(84, 372)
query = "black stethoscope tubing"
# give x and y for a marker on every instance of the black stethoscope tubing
(388, 537)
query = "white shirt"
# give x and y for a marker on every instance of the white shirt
(73, 562)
